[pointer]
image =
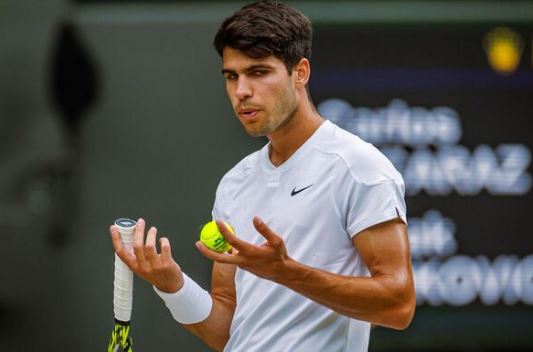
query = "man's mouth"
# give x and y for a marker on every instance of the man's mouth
(248, 113)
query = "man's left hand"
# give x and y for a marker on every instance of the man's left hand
(267, 260)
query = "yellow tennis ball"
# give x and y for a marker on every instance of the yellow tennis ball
(212, 238)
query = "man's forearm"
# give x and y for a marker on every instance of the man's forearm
(382, 299)
(214, 330)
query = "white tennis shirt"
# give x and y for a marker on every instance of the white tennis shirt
(333, 187)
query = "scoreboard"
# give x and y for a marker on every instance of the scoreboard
(452, 108)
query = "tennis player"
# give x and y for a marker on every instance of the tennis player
(320, 250)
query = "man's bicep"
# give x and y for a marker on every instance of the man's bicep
(223, 283)
(384, 248)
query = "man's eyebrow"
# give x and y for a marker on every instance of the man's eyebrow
(247, 69)
(258, 66)
(225, 70)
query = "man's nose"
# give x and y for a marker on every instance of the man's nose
(243, 89)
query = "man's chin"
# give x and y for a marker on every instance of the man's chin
(254, 132)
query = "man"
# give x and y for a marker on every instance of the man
(320, 246)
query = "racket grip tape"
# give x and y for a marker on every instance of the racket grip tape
(123, 283)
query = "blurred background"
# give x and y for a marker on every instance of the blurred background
(117, 108)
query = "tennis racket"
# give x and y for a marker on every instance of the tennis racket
(122, 292)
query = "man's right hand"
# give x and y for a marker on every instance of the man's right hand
(159, 269)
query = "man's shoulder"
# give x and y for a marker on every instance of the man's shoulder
(241, 170)
(362, 159)
(347, 146)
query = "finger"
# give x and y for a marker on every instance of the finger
(121, 251)
(115, 238)
(138, 242)
(267, 232)
(166, 253)
(149, 249)
(240, 245)
(217, 257)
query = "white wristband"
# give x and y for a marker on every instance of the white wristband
(191, 304)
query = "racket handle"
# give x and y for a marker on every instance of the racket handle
(123, 283)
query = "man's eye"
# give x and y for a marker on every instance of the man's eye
(231, 76)
(260, 73)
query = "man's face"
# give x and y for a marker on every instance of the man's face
(261, 91)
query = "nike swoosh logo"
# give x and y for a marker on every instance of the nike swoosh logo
(295, 192)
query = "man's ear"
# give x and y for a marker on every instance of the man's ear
(302, 72)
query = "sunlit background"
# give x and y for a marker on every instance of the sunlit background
(117, 109)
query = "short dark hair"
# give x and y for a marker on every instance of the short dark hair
(267, 28)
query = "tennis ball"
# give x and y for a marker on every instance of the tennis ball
(212, 238)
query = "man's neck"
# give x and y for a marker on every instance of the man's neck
(285, 141)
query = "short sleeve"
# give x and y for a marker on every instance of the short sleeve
(371, 204)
